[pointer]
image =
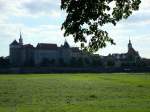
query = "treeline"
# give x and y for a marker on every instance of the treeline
(127, 63)
(4, 62)
(73, 62)
(78, 62)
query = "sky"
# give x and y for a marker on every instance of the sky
(40, 22)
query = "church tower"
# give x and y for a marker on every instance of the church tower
(21, 39)
(132, 54)
(129, 45)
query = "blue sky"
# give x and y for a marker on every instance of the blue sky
(40, 22)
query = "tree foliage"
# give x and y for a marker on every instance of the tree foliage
(4, 62)
(85, 19)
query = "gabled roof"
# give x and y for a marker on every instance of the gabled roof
(44, 46)
(66, 45)
(132, 51)
(28, 46)
(14, 43)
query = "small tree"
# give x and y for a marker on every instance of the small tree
(73, 62)
(4, 62)
(62, 62)
(29, 63)
(87, 61)
(80, 62)
(45, 62)
(110, 63)
(96, 62)
(52, 62)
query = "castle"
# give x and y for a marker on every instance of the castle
(28, 55)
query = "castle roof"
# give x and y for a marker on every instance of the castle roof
(132, 51)
(66, 45)
(14, 43)
(75, 49)
(28, 46)
(45, 46)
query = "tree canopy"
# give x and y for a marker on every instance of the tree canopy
(85, 19)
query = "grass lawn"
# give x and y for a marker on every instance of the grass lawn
(75, 93)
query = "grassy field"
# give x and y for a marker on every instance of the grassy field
(75, 93)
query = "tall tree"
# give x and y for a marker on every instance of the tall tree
(85, 19)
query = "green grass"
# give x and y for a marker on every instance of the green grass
(75, 93)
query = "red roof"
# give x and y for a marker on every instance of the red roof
(44, 46)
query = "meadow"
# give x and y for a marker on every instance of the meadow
(120, 92)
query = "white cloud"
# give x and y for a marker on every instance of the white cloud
(145, 4)
(32, 8)
(55, 14)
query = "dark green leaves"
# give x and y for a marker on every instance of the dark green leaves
(86, 17)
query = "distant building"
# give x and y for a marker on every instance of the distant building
(26, 54)
(129, 58)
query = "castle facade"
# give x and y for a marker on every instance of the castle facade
(50, 54)
(26, 54)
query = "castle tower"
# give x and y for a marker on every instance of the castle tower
(16, 52)
(21, 39)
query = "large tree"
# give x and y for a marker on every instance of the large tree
(85, 19)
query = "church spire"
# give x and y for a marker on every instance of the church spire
(129, 40)
(129, 44)
(21, 39)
